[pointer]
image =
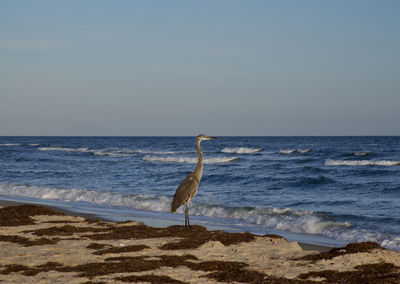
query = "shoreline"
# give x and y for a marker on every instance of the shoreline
(6, 203)
(40, 244)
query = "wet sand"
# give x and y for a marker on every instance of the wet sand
(45, 245)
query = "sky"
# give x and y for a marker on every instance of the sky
(220, 67)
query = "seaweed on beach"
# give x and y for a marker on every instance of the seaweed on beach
(231, 269)
(66, 230)
(133, 248)
(252, 276)
(224, 271)
(192, 237)
(193, 241)
(144, 232)
(20, 215)
(31, 271)
(97, 246)
(349, 249)
(25, 241)
(125, 265)
(378, 273)
(153, 279)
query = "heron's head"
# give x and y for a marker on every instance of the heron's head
(202, 137)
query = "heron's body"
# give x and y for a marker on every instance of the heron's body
(188, 188)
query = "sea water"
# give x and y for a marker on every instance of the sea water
(324, 190)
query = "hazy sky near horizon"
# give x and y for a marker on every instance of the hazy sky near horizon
(223, 67)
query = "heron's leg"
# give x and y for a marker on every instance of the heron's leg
(187, 209)
(186, 217)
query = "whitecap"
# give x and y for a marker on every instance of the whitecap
(157, 152)
(291, 151)
(63, 149)
(361, 163)
(188, 160)
(113, 153)
(287, 152)
(241, 150)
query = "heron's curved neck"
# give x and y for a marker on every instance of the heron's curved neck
(199, 167)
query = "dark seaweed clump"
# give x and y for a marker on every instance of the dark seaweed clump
(377, 273)
(20, 215)
(191, 237)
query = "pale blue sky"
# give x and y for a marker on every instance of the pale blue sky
(186, 67)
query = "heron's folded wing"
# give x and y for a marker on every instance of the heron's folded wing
(185, 191)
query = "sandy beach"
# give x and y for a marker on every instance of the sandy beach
(42, 245)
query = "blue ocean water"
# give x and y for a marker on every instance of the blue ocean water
(324, 190)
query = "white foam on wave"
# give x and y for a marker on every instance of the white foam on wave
(116, 152)
(287, 152)
(361, 235)
(291, 151)
(241, 150)
(361, 163)
(188, 160)
(298, 221)
(63, 149)
(143, 202)
(10, 144)
(157, 152)
(112, 152)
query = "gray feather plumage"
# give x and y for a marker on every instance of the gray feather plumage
(185, 191)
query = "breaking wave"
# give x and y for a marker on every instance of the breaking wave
(10, 144)
(291, 151)
(305, 221)
(144, 202)
(116, 153)
(298, 221)
(159, 152)
(241, 150)
(188, 160)
(361, 163)
(108, 152)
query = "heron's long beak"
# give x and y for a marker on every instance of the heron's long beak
(209, 138)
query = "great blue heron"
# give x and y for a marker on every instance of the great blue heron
(188, 188)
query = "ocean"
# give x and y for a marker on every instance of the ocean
(322, 190)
